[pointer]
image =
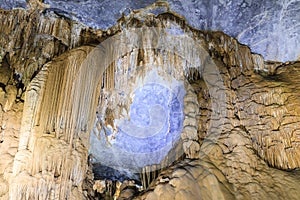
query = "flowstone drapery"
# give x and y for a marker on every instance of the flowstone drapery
(188, 114)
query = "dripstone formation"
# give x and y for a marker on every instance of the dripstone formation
(150, 108)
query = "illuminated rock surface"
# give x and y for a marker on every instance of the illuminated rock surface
(154, 125)
(202, 117)
(270, 28)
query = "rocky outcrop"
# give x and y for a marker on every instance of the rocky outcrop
(239, 133)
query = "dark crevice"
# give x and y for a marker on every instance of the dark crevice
(102, 172)
(2, 85)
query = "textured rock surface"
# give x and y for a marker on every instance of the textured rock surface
(270, 28)
(51, 162)
(240, 136)
(30, 38)
(10, 130)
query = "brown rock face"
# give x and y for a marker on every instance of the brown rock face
(239, 136)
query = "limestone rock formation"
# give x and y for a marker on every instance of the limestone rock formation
(150, 108)
(269, 28)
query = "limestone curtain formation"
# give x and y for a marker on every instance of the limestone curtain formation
(189, 114)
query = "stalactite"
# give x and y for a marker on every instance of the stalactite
(60, 110)
(56, 132)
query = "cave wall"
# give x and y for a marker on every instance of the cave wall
(239, 136)
(51, 162)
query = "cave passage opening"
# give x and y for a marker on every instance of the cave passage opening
(129, 140)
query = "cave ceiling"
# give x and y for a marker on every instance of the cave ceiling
(270, 28)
